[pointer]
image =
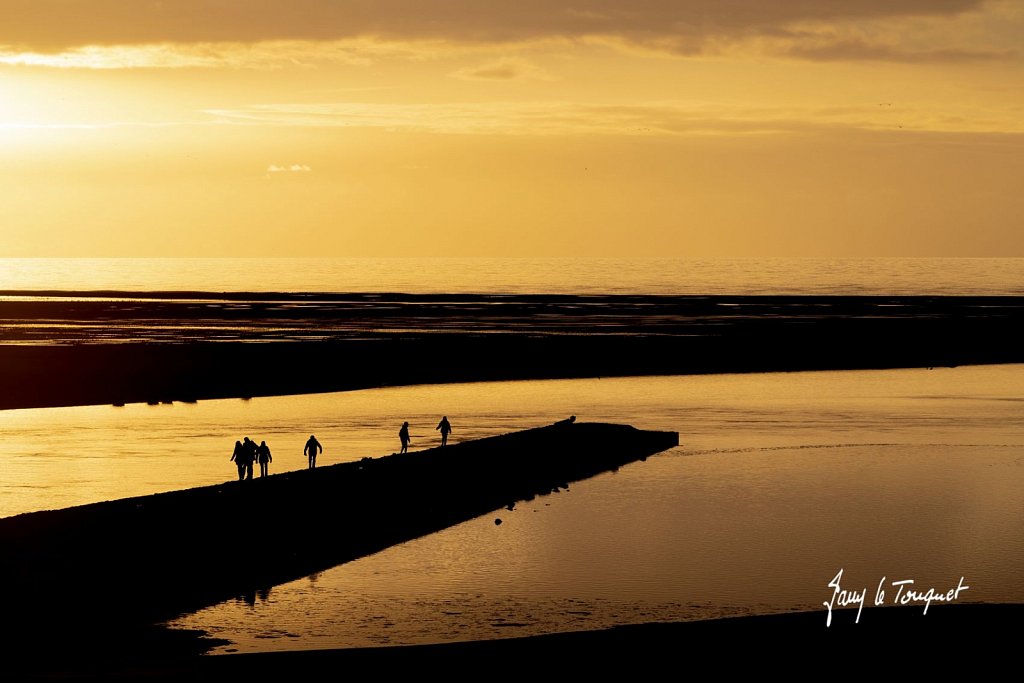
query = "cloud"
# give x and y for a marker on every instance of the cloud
(119, 34)
(860, 50)
(360, 52)
(294, 168)
(58, 25)
(505, 69)
(647, 119)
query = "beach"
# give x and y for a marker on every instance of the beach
(165, 349)
(577, 339)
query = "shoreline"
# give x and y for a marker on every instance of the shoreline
(65, 353)
(876, 623)
(905, 637)
(371, 347)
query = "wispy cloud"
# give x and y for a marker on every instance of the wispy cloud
(504, 69)
(293, 168)
(649, 119)
(262, 55)
(860, 50)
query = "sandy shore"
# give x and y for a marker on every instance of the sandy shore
(899, 639)
(802, 637)
(99, 349)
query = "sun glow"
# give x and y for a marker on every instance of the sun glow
(781, 129)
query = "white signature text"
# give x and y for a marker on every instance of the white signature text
(905, 594)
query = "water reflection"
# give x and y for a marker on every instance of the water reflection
(671, 276)
(678, 537)
(250, 597)
(60, 457)
(781, 480)
(68, 456)
(786, 479)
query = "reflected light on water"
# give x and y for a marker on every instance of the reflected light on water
(672, 276)
(57, 457)
(781, 480)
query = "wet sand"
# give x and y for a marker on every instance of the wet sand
(954, 637)
(111, 347)
(799, 641)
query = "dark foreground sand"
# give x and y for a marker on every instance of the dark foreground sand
(976, 639)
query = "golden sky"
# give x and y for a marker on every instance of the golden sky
(683, 128)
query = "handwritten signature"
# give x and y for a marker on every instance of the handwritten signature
(905, 595)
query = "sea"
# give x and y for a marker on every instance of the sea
(579, 276)
(781, 479)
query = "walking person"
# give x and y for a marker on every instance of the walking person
(445, 427)
(249, 449)
(403, 436)
(311, 449)
(239, 457)
(263, 457)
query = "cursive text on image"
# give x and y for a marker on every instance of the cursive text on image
(905, 594)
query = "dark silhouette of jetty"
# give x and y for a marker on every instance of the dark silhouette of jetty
(139, 560)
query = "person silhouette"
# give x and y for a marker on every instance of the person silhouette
(239, 457)
(249, 455)
(445, 427)
(312, 446)
(263, 457)
(403, 436)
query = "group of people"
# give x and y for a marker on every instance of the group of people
(247, 452)
(444, 426)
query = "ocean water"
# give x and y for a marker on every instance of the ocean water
(781, 480)
(670, 276)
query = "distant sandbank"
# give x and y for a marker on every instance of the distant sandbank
(117, 347)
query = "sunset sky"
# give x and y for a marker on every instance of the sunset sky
(530, 128)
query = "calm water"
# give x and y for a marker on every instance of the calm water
(782, 479)
(519, 276)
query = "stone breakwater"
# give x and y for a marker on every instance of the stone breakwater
(153, 557)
